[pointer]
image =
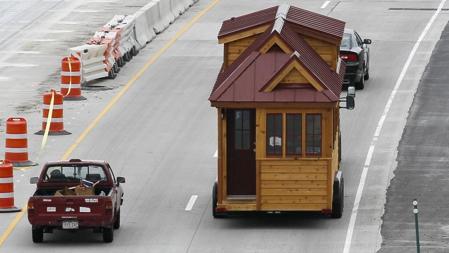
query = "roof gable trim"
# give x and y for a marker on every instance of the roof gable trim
(292, 65)
(244, 34)
(275, 40)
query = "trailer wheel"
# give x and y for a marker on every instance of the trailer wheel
(108, 234)
(117, 220)
(338, 198)
(37, 235)
(214, 203)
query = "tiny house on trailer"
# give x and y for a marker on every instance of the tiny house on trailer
(278, 99)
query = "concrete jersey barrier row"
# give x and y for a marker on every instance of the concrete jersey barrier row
(124, 35)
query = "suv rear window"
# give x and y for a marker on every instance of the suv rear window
(92, 173)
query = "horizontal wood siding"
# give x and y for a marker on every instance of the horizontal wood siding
(327, 51)
(300, 185)
(236, 48)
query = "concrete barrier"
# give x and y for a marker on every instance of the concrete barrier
(166, 16)
(92, 61)
(178, 7)
(144, 24)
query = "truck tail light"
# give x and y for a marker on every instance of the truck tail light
(349, 57)
(30, 206)
(108, 206)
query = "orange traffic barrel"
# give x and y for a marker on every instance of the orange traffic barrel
(71, 78)
(57, 119)
(7, 188)
(17, 142)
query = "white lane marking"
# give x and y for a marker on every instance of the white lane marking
(20, 52)
(369, 156)
(4, 78)
(43, 40)
(60, 31)
(18, 65)
(191, 202)
(216, 154)
(325, 4)
(86, 11)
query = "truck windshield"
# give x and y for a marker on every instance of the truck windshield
(91, 173)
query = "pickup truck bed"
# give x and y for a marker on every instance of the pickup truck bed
(57, 204)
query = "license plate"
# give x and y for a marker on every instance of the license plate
(70, 225)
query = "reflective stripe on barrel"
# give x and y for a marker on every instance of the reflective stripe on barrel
(6, 185)
(57, 122)
(71, 77)
(16, 144)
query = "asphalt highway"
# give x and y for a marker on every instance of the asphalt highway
(161, 136)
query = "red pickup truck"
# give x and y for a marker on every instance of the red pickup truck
(73, 195)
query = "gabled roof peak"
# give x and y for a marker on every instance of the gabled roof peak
(296, 53)
(281, 16)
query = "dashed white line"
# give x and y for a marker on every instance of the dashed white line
(216, 154)
(20, 52)
(380, 124)
(191, 202)
(325, 4)
(19, 65)
(43, 40)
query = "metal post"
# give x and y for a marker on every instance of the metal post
(415, 212)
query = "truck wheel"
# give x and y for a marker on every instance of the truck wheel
(38, 235)
(108, 234)
(214, 203)
(117, 220)
(338, 198)
(361, 84)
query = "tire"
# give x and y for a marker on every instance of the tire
(37, 235)
(366, 76)
(214, 203)
(338, 199)
(108, 235)
(117, 220)
(361, 84)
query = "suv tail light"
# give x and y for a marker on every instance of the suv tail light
(349, 57)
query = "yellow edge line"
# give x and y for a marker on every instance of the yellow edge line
(113, 101)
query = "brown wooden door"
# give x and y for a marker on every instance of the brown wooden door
(241, 158)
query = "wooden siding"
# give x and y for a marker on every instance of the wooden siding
(328, 51)
(235, 48)
(294, 185)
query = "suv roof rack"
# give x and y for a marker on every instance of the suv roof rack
(75, 160)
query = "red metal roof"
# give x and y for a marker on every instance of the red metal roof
(247, 21)
(315, 21)
(243, 80)
(247, 82)
(303, 19)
